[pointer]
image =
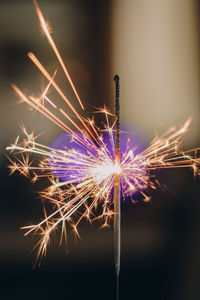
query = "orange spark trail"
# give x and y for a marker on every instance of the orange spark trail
(49, 37)
(46, 74)
(43, 110)
(49, 84)
(47, 113)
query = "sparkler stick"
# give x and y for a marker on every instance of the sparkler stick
(117, 217)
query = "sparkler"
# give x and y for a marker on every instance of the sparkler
(117, 202)
(84, 172)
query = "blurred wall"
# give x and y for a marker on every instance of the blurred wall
(156, 51)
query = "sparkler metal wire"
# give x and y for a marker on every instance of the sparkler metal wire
(117, 201)
(89, 169)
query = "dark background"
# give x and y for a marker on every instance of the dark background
(161, 239)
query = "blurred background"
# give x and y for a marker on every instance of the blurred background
(154, 46)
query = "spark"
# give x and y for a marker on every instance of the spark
(55, 49)
(81, 177)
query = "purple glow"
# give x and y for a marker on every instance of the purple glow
(66, 171)
(69, 171)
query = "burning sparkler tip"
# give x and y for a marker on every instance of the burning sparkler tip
(116, 78)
